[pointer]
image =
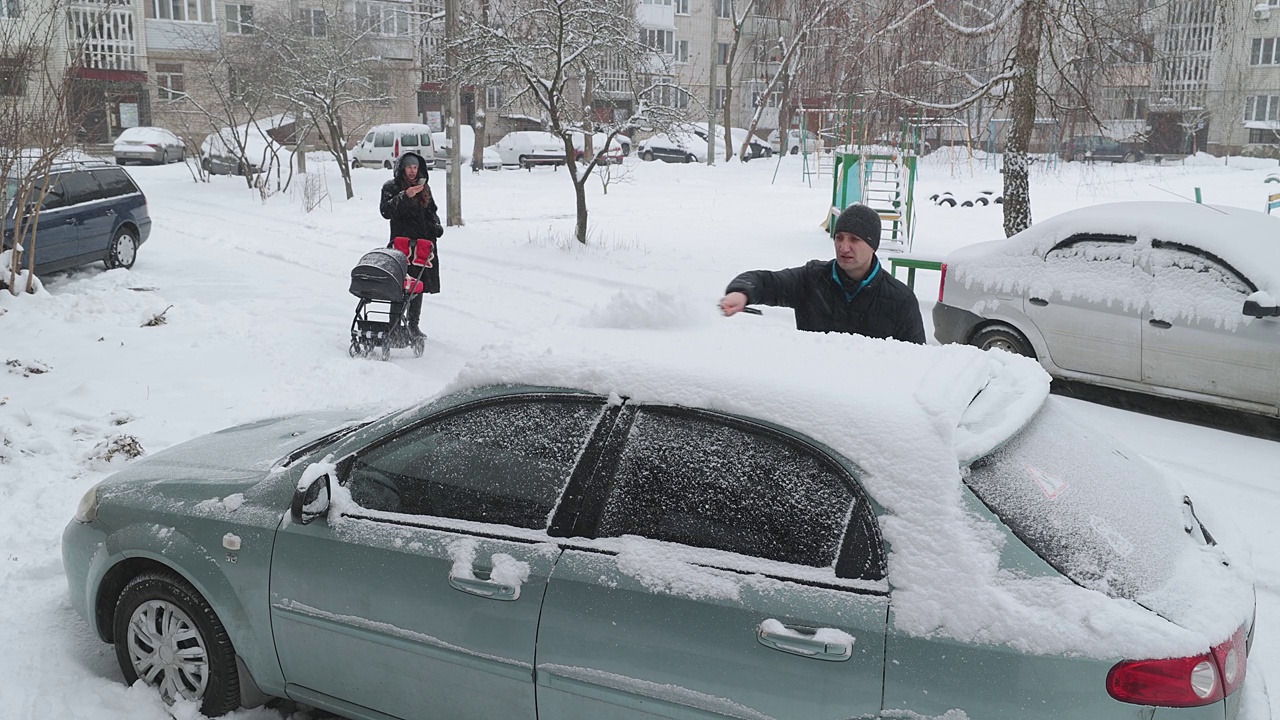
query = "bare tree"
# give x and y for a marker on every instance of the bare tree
(1025, 56)
(39, 121)
(564, 55)
(740, 12)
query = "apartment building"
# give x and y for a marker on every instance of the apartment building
(1250, 84)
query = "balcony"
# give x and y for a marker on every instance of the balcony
(658, 17)
(177, 35)
(759, 24)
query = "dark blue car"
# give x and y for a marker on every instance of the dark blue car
(92, 212)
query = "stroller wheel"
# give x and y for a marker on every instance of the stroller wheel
(354, 350)
(419, 346)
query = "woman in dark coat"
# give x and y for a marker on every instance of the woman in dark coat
(414, 215)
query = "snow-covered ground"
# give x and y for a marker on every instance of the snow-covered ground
(256, 311)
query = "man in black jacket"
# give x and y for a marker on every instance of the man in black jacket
(407, 203)
(850, 294)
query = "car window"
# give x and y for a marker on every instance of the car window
(408, 140)
(1094, 511)
(1197, 267)
(382, 139)
(691, 480)
(368, 138)
(70, 189)
(1192, 287)
(115, 182)
(505, 463)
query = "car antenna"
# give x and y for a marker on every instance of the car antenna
(1184, 197)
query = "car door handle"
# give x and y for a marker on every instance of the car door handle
(69, 221)
(484, 588)
(802, 641)
(110, 211)
(1038, 301)
(1160, 324)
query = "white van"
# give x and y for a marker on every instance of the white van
(378, 148)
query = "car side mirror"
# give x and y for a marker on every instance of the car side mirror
(311, 497)
(1253, 308)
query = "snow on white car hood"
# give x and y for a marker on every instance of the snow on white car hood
(906, 415)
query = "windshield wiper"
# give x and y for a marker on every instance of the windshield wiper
(310, 447)
(1186, 500)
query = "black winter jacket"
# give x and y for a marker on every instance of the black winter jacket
(409, 218)
(885, 308)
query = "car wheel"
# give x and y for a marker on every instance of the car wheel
(123, 250)
(355, 164)
(1130, 158)
(119, 161)
(999, 337)
(386, 164)
(647, 156)
(795, 150)
(164, 157)
(1078, 157)
(768, 152)
(207, 165)
(168, 636)
(689, 158)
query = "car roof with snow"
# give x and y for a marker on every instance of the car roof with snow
(1247, 240)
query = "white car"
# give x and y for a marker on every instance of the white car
(148, 144)
(242, 150)
(491, 159)
(1174, 299)
(794, 140)
(756, 148)
(382, 144)
(673, 147)
(526, 148)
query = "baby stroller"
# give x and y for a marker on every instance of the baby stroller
(386, 280)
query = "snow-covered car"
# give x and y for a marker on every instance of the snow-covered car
(148, 144)
(756, 147)
(243, 150)
(1166, 298)
(616, 151)
(589, 523)
(794, 141)
(526, 148)
(491, 159)
(673, 147)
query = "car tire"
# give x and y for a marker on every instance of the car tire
(151, 612)
(355, 164)
(647, 156)
(1079, 157)
(795, 150)
(1002, 337)
(207, 164)
(164, 157)
(689, 158)
(123, 251)
(523, 162)
(386, 164)
(768, 152)
(1130, 157)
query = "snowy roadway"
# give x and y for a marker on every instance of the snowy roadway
(258, 326)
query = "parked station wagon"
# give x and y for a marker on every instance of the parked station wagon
(670, 535)
(92, 212)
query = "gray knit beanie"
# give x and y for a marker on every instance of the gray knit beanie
(861, 221)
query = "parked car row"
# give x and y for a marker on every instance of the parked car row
(1177, 300)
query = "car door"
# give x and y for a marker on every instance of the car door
(730, 571)
(1195, 336)
(95, 215)
(419, 597)
(56, 232)
(363, 150)
(123, 201)
(1086, 300)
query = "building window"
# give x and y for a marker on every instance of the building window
(666, 3)
(1265, 51)
(182, 10)
(724, 9)
(169, 84)
(662, 41)
(720, 98)
(239, 19)
(13, 9)
(1262, 108)
(682, 7)
(1264, 137)
(13, 77)
(382, 18)
(313, 22)
(722, 53)
(682, 51)
(493, 97)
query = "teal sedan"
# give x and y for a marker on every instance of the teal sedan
(564, 553)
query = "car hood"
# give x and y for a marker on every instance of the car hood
(235, 458)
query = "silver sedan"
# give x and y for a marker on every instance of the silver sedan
(148, 145)
(1171, 299)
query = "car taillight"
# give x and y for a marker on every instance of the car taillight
(153, 146)
(1232, 656)
(1176, 682)
(942, 285)
(1183, 682)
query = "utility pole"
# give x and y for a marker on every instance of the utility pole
(711, 83)
(453, 184)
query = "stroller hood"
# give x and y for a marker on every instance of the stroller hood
(380, 275)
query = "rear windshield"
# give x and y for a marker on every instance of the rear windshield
(1092, 509)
